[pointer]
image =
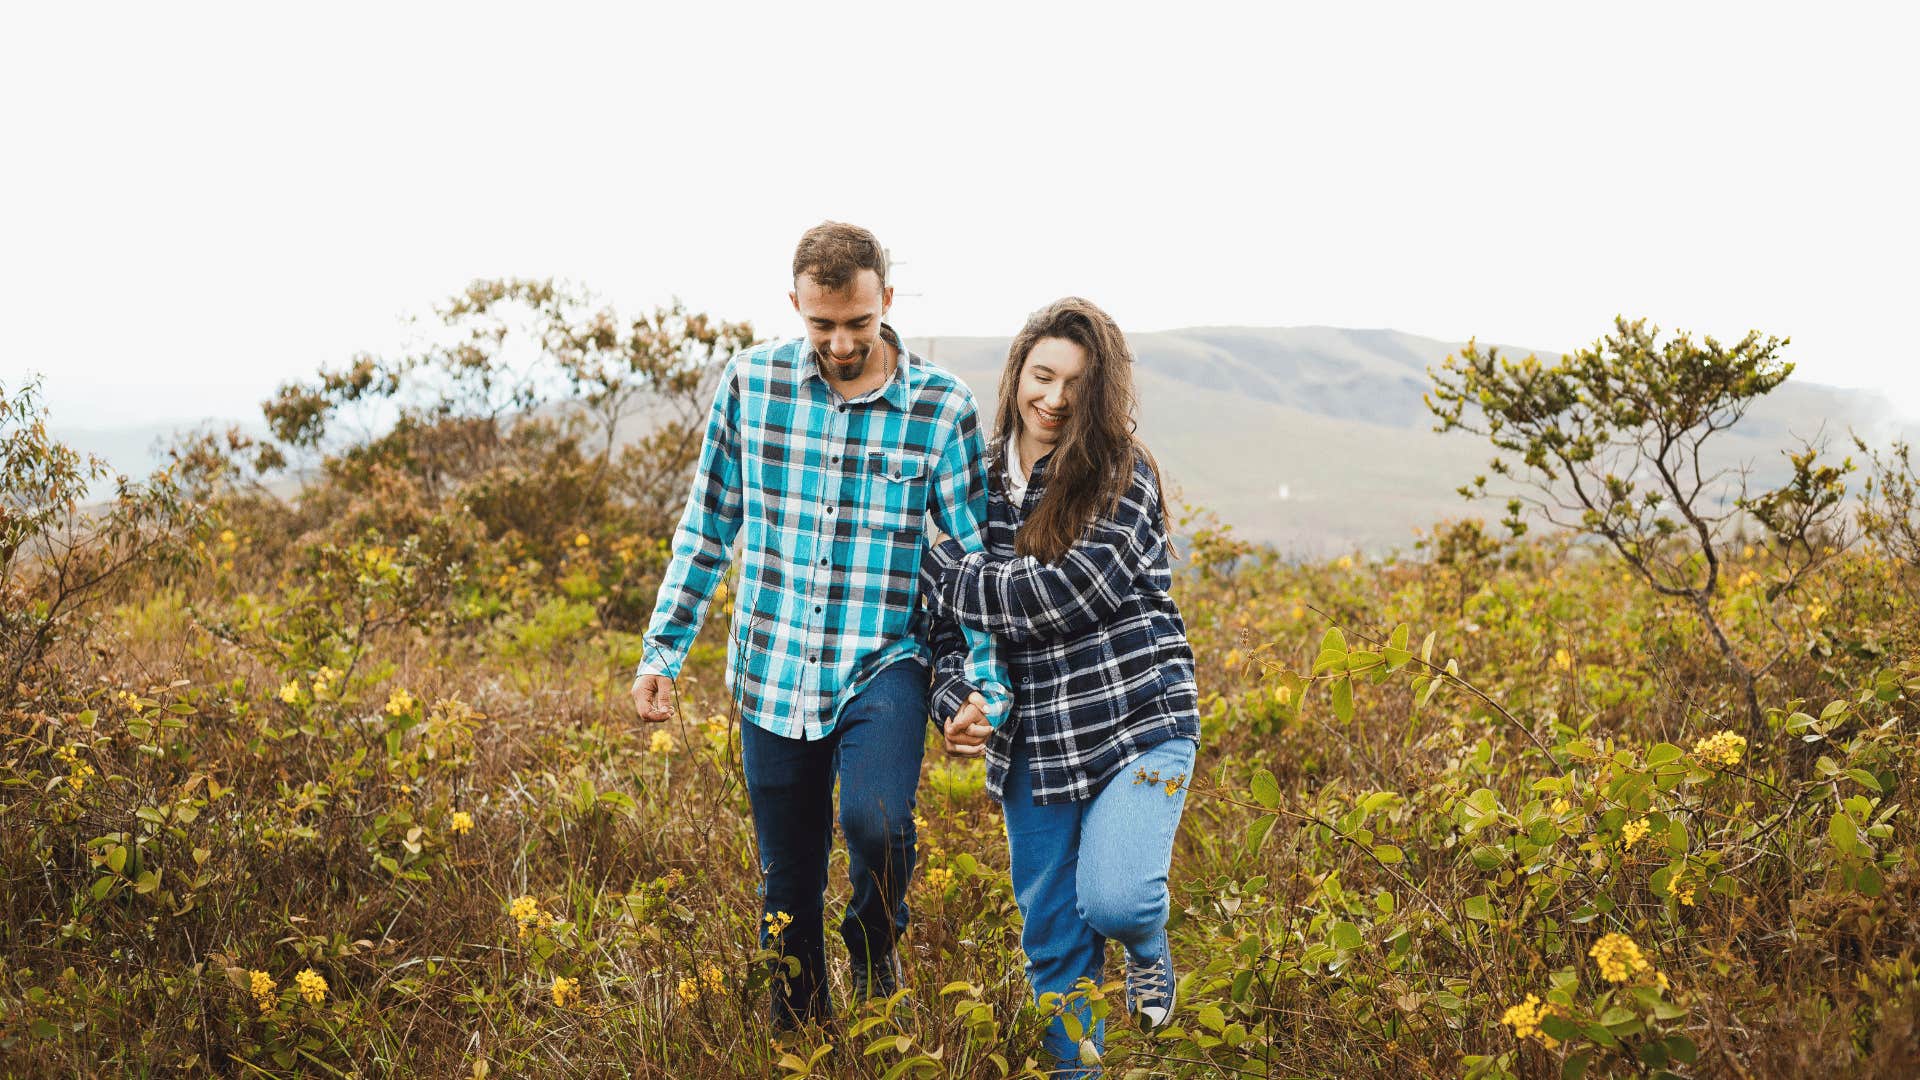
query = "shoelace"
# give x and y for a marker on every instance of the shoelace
(1147, 980)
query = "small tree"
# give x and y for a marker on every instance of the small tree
(528, 377)
(1608, 441)
(59, 555)
(1464, 557)
(1890, 507)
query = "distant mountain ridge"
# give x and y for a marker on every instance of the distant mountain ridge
(1314, 439)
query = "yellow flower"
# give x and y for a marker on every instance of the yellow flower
(688, 991)
(1816, 611)
(777, 923)
(227, 537)
(462, 823)
(582, 540)
(1619, 958)
(1747, 552)
(526, 912)
(1633, 832)
(313, 988)
(563, 988)
(939, 878)
(400, 703)
(290, 691)
(1561, 807)
(77, 771)
(1173, 784)
(323, 682)
(1523, 1018)
(1683, 888)
(1344, 562)
(262, 987)
(1723, 749)
(661, 743)
(711, 980)
(1562, 660)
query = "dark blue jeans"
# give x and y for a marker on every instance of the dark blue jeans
(874, 752)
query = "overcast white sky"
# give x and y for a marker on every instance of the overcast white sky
(197, 202)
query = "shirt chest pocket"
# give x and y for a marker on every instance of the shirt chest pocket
(894, 491)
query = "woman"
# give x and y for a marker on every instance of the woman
(1091, 766)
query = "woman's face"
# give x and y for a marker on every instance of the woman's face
(1047, 383)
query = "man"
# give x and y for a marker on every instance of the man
(830, 451)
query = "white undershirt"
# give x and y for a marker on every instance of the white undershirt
(1016, 476)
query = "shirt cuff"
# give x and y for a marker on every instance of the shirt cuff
(999, 702)
(655, 661)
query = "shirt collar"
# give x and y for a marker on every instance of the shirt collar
(893, 391)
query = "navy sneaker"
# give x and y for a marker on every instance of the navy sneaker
(1151, 987)
(880, 980)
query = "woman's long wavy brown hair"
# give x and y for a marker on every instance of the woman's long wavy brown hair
(1091, 467)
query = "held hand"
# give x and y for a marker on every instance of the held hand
(653, 698)
(966, 733)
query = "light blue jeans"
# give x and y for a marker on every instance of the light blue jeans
(1087, 871)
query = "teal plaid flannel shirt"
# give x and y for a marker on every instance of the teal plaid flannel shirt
(834, 497)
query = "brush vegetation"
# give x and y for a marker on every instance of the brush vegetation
(348, 783)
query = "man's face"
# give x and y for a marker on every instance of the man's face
(843, 324)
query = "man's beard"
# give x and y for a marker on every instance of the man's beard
(851, 369)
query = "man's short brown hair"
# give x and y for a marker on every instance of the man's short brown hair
(833, 252)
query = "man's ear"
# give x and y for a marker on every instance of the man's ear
(794, 299)
(886, 300)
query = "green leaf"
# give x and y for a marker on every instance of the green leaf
(1266, 790)
(1479, 909)
(1844, 833)
(1663, 753)
(1388, 853)
(1257, 832)
(1343, 699)
(1865, 779)
(1575, 1066)
(1346, 936)
(1559, 1027)
(1378, 799)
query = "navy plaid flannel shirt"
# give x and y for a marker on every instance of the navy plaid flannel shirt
(833, 496)
(1096, 648)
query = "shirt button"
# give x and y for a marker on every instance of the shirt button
(829, 509)
(813, 659)
(823, 562)
(836, 459)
